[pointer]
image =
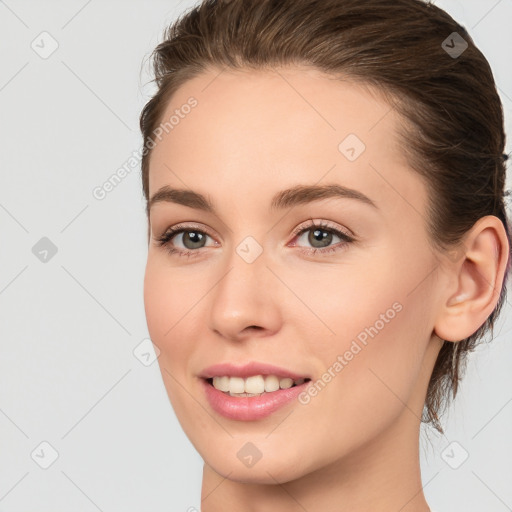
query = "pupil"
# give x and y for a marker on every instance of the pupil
(190, 235)
(325, 235)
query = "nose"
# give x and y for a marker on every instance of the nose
(245, 302)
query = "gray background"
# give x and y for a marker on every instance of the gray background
(69, 325)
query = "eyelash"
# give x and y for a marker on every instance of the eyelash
(164, 240)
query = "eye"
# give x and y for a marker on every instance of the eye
(191, 238)
(320, 237)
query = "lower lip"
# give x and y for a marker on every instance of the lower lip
(249, 408)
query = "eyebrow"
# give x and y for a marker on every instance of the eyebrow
(297, 195)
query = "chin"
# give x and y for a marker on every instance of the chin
(263, 472)
(256, 460)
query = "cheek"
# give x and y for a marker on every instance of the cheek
(382, 361)
(169, 296)
(371, 342)
(168, 304)
(169, 310)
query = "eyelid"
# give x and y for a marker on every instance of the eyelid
(177, 229)
(322, 224)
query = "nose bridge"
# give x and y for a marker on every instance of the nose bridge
(243, 297)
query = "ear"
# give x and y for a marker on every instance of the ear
(478, 273)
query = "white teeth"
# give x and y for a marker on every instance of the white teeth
(271, 383)
(254, 385)
(286, 383)
(236, 385)
(221, 383)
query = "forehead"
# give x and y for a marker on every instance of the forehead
(269, 130)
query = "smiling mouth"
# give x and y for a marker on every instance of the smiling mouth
(256, 385)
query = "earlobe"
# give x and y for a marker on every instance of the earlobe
(479, 275)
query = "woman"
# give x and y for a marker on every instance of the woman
(327, 241)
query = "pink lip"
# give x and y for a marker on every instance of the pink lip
(247, 370)
(249, 408)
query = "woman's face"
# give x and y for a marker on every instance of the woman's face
(350, 305)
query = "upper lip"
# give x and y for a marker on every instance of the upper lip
(248, 370)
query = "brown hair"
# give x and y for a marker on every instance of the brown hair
(455, 136)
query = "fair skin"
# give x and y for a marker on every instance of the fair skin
(354, 446)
